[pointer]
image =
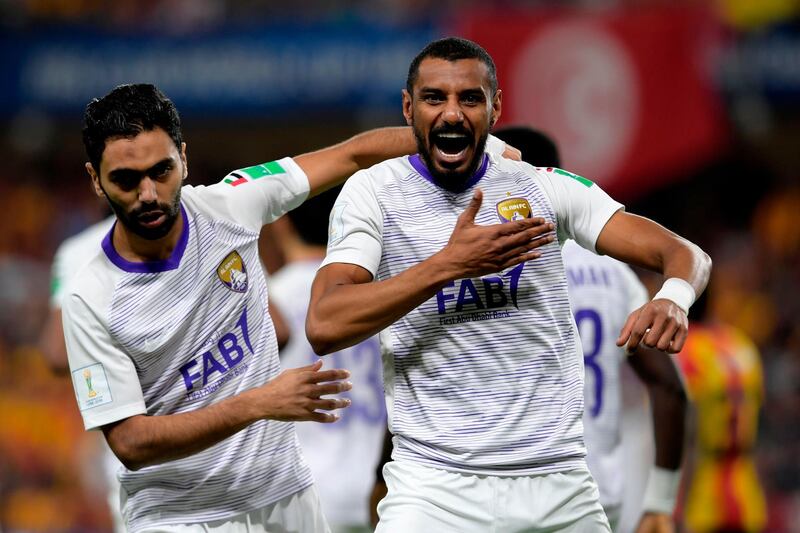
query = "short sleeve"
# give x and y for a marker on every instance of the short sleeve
(355, 230)
(257, 195)
(582, 208)
(104, 377)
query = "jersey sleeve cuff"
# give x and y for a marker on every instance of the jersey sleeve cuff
(600, 220)
(97, 420)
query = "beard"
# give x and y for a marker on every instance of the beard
(451, 180)
(131, 219)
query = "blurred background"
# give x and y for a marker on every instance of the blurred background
(686, 111)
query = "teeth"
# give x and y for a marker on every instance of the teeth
(452, 135)
(445, 155)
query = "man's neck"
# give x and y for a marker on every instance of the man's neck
(136, 249)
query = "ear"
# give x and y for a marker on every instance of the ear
(183, 161)
(408, 110)
(497, 107)
(98, 190)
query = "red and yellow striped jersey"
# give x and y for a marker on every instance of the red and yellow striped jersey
(723, 376)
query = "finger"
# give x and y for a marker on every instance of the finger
(637, 332)
(468, 215)
(654, 331)
(323, 418)
(329, 404)
(512, 153)
(309, 368)
(328, 375)
(330, 388)
(678, 340)
(627, 328)
(518, 226)
(528, 234)
(514, 261)
(665, 340)
(526, 249)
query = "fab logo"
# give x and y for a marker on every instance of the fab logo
(513, 209)
(228, 355)
(232, 272)
(490, 292)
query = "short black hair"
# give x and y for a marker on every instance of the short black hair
(125, 112)
(537, 147)
(452, 49)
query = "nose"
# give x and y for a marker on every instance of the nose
(147, 190)
(452, 112)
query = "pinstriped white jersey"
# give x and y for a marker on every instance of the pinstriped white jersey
(342, 456)
(603, 292)
(176, 335)
(486, 376)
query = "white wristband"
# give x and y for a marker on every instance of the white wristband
(679, 291)
(662, 490)
(495, 146)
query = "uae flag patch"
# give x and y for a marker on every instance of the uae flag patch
(244, 175)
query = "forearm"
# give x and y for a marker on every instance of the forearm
(639, 241)
(345, 314)
(142, 440)
(668, 403)
(330, 166)
(669, 410)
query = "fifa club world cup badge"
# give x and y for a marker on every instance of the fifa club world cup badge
(232, 272)
(513, 209)
(87, 376)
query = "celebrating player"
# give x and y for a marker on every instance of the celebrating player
(483, 371)
(171, 349)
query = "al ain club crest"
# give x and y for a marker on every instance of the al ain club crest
(232, 272)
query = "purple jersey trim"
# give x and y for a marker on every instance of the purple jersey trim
(149, 267)
(419, 166)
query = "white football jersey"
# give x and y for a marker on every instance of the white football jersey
(486, 376)
(179, 334)
(72, 254)
(342, 456)
(603, 292)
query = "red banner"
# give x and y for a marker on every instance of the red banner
(627, 95)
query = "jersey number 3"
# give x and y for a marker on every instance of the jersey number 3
(590, 353)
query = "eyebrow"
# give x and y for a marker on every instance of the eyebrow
(123, 173)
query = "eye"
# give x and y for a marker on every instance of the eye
(432, 98)
(472, 99)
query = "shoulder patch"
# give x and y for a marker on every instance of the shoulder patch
(579, 179)
(243, 175)
(91, 386)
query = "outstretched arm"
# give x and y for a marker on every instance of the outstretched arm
(142, 440)
(660, 323)
(330, 166)
(347, 306)
(668, 402)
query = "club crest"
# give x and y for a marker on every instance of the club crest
(232, 272)
(513, 209)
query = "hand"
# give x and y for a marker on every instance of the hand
(655, 523)
(379, 490)
(512, 153)
(296, 394)
(475, 250)
(657, 324)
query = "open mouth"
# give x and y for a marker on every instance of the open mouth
(451, 147)
(151, 219)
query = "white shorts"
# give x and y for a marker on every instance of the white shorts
(423, 499)
(297, 513)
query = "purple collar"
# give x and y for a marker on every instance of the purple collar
(148, 267)
(419, 166)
